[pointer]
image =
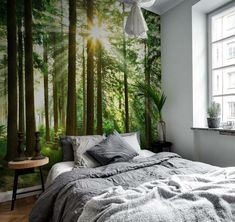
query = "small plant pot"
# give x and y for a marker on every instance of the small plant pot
(213, 122)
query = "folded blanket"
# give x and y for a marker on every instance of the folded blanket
(181, 198)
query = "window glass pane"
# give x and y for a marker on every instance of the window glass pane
(217, 82)
(216, 28)
(229, 52)
(218, 99)
(229, 23)
(223, 62)
(229, 108)
(217, 55)
(229, 80)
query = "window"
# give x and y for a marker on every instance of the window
(231, 50)
(230, 24)
(231, 80)
(222, 60)
(231, 110)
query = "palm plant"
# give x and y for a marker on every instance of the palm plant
(158, 100)
(157, 97)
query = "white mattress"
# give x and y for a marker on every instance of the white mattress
(63, 167)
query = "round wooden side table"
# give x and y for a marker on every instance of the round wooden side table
(25, 167)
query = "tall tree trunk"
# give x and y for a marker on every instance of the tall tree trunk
(62, 82)
(90, 73)
(84, 86)
(71, 98)
(99, 90)
(20, 76)
(12, 80)
(29, 79)
(125, 77)
(62, 103)
(148, 135)
(55, 83)
(120, 92)
(5, 91)
(45, 80)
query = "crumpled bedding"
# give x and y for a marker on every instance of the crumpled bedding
(65, 198)
(209, 197)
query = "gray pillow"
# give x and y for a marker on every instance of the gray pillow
(112, 149)
(80, 145)
(66, 143)
(67, 148)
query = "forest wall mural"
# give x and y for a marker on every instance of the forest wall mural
(71, 70)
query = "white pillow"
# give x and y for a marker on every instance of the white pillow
(58, 169)
(81, 145)
(144, 154)
(132, 140)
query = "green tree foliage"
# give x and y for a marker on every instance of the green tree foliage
(100, 84)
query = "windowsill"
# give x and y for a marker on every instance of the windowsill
(229, 132)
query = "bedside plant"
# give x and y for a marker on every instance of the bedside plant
(213, 112)
(158, 99)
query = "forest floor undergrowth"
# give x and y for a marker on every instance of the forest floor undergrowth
(28, 180)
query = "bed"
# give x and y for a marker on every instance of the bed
(68, 166)
(153, 187)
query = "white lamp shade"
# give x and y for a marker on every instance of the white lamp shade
(135, 24)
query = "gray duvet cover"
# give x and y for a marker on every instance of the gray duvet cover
(65, 199)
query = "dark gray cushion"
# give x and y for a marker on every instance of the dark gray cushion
(112, 149)
(67, 148)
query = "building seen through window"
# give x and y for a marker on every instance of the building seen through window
(222, 60)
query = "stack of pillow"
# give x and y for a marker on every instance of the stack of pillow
(93, 151)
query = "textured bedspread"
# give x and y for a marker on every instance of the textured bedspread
(182, 198)
(64, 200)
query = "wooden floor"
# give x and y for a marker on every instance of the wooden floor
(20, 213)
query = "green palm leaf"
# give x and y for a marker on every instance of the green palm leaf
(157, 97)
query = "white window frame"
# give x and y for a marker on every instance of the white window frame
(232, 110)
(232, 73)
(233, 50)
(209, 48)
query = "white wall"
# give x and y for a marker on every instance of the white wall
(179, 74)
(176, 48)
(200, 68)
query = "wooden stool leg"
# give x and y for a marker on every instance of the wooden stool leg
(41, 179)
(14, 190)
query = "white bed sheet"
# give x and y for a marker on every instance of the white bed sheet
(63, 167)
(58, 169)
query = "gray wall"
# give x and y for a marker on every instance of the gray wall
(181, 84)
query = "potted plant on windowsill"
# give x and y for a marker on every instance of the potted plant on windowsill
(213, 112)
